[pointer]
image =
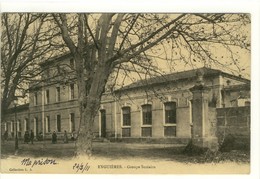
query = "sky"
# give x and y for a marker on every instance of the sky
(251, 6)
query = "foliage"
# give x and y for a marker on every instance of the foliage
(228, 144)
(24, 43)
(104, 46)
(193, 150)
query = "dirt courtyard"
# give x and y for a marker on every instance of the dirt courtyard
(128, 157)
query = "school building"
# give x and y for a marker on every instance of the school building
(159, 109)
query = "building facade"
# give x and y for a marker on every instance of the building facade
(158, 108)
(161, 107)
(16, 118)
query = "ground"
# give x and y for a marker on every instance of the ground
(133, 154)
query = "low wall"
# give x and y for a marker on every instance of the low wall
(233, 124)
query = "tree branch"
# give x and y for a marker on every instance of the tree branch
(91, 34)
(114, 34)
(122, 53)
(65, 33)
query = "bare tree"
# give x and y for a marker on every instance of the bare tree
(104, 44)
(25, 40)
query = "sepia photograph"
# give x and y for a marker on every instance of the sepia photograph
(126, 93)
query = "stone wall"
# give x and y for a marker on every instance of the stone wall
(234, 123)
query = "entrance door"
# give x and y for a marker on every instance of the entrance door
(103, 122)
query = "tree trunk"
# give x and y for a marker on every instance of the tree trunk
(88, 111)
(85, 134)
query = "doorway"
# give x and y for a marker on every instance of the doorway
(103, 122)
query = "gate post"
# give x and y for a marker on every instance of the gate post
(201, 135)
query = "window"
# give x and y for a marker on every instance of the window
(12, 126)
(35, 125)
(72, 122)
(170, 119)
(48, 124)
(35, 100)
(170, 112)
(146, 132)
(26, 124)
(47, 97)
(126, 132)
(72, 63)
(58, 123)
(71, 91)
(19, 125)
(57, 94)
(170, 131)
(126, 116)
(147, 114)
(147, 120)
(6, 126)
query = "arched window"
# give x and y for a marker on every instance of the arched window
(170, 112)
(126, 111)
(170, 119)
(48, 124)
(57, 94)
(19, 125)
(126, 121)
(147, 114)
(146, 120)
(35, 99)
(12, 126)
(26, 124)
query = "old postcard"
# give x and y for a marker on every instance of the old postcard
(126, 93)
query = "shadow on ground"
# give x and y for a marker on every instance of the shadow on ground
(126, 151)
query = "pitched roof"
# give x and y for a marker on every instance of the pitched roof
(189, 74)
(54, 59)
(59, 57)
(19, 108)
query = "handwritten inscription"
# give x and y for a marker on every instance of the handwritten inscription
(81, 167)
(41, 162)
